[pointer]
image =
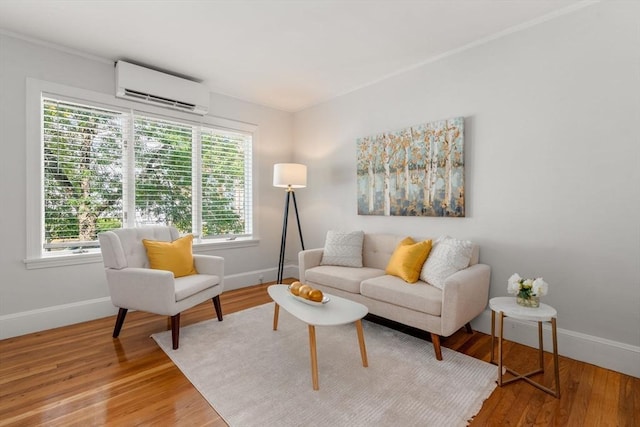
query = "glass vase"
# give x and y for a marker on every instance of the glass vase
(532, 301)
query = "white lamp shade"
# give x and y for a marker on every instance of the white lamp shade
(292, 175)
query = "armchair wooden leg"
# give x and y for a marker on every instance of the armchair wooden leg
(175, 330)
(216, 305)
(122, 313)
(468, 328)
(435, 340)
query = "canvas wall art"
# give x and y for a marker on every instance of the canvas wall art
(417, 171)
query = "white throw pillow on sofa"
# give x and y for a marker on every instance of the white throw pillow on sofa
(343, 249)
(447, 256)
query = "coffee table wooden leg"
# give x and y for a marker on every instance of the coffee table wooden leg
(314, 356)
(276, 312)
(363, 349)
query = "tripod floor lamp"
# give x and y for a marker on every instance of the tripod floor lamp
(288, 176)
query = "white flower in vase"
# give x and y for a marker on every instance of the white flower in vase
(540, 287)
(513, 286)
(527, 291)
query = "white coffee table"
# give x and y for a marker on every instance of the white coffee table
(338, 311)
(507, 307)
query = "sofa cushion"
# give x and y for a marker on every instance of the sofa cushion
(420, 296)
(447, 256)
(345, 278)
(344, 249)
(408, 258)
(378, 248)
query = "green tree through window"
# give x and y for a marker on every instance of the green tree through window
(224, 177)
(163, 172)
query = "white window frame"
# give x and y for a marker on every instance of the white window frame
(36, 89)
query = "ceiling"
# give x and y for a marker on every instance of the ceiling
(288, 55)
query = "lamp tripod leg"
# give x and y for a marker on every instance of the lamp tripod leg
(283, 240)
(295, 206)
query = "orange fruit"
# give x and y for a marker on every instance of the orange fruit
(304, 291)
(316, 295)
(295, 288)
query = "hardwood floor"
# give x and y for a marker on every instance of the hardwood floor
(79, 375)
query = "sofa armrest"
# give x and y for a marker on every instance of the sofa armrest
(142, 289)
(308, 259)
(465, 296)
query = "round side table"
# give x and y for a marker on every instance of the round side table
(507, 307)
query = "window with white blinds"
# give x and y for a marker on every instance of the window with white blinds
(163, 172)
(226, 183)
(82, 174)
(106, 169)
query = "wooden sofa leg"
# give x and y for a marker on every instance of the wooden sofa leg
(216, 305)
(468, 327)
(122, 313)
(175, 330)
(435, 340)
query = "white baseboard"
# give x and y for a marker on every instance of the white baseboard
(242, 280)
(26, 322)
(598, 351)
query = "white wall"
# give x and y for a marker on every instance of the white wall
(32, 300)
(552, 166)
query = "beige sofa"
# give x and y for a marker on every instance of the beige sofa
(421, 305)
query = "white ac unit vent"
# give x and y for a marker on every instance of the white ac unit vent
(154, 87)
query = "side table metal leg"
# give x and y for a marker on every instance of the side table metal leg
(555, 356)
(493, 336)
(540, 346)
(500, 339)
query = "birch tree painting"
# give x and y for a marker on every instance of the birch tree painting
(417, 171)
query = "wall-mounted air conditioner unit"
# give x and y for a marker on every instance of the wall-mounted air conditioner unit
(154, 87)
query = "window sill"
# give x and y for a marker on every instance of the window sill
(206, 245)
(62, 260)
(96, 257)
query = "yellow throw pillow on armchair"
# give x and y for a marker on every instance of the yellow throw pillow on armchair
(175, 256)
(408, 258)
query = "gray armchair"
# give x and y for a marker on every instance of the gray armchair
(133, 285)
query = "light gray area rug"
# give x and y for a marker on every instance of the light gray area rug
(254, 376)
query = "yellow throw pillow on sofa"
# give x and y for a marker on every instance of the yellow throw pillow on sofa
(408, 258)
(175, 256)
